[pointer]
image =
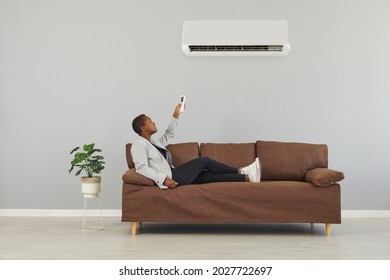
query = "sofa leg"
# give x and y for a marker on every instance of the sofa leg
(134, 228)
(327, 227)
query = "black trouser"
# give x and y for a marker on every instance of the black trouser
(205, 170)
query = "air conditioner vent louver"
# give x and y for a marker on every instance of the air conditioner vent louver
(238, 48)
(235, 38)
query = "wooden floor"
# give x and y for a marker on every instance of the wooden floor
(59, 238)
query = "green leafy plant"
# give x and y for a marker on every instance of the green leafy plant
(87, 161)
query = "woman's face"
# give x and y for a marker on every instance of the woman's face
(149, 126)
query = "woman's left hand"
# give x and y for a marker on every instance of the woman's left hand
(176, 113)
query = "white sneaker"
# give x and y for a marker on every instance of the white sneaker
(253, 171)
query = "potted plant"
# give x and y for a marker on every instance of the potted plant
(86, 160)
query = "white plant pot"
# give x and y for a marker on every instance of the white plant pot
(90, 187)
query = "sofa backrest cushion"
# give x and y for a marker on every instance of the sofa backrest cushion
(236, 155)
(129, 159)
(283, 161)
(181, 153)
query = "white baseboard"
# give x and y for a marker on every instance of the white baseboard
(118, 213)
(58, 213)
(365, 213)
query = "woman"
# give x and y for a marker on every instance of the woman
(154, 161)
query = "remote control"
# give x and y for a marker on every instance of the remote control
(183, 103)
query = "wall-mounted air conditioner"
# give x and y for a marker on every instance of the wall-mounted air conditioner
(235, 38)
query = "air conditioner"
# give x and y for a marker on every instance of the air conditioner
(235, 38)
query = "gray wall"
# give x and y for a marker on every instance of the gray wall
(75, 72)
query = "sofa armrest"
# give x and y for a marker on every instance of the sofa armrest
(132, 177)
(323, 177)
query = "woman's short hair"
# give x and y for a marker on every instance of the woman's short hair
(138, 122)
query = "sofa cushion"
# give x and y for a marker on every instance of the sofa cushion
(323, 177)
(290, 161)
(129, 159)
(132, 177)
(181, 153)
(236, 155)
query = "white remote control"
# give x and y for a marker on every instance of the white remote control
(183, 103)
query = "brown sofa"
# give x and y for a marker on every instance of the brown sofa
(296, 187)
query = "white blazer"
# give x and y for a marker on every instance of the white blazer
(148, 160)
